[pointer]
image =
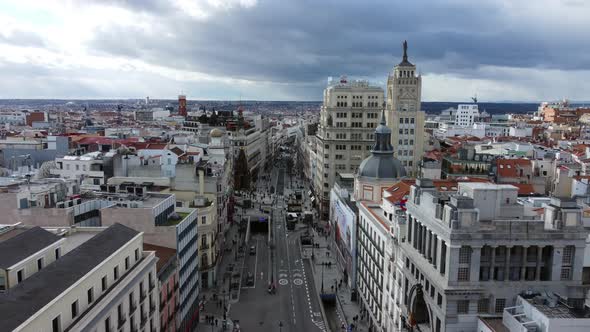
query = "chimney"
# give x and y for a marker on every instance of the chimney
(201, 182)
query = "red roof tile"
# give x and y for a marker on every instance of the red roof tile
(509, 167)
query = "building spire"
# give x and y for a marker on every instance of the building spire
(383, 115)
(405, 50)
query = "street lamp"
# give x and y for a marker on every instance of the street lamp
(323, 278)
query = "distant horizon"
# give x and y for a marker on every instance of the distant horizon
(291, 101)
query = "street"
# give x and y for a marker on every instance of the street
(295, 305)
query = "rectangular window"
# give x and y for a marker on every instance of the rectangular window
(19, 276)
(566, 273)
(57, 252)
(39, 263)
(465, 255)
(463, 274)
(126, 263)
(136, 254)
(104, 283)
(74, 308)
(116, 272)
(439, 300)
(203, 220)
(107, 324)
(90, 295)
(500, 304)
(568, 255)
(56, 324)
(483, 306)
(462, 306)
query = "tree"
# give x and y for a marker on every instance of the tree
(213, 119)
(203, 118)
(241, 172)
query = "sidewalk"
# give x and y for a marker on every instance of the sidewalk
(346, 308)
(214, 299)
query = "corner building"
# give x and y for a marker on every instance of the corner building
(470, 254)
(348, 118)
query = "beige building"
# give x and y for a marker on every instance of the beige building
(345, 135)
(404, 115)
(106, 284)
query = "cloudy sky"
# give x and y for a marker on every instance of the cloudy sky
(286, 49)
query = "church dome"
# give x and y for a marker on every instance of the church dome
(216, 133)
(382, 167)
(381, 164)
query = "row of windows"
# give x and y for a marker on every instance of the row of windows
(401, 152)
(406, 120)
(406, 131)
(104, 284)
(406, 142)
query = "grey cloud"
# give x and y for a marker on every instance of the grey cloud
(308, 40)
(22, 38)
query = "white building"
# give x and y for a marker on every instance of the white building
(106, 284)
(87, 168)
(461, 258)
(466, 115)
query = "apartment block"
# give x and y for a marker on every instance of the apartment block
(105, 284)
(348, 118)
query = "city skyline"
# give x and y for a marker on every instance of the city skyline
(266, 50)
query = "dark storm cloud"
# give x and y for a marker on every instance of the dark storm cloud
(308, 40)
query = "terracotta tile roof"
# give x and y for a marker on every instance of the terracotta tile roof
(434, 155)
(509, 167)
(164, 254)
(524, 189)
(399, 190)
(178, 151)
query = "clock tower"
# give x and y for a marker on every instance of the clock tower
(405, 118)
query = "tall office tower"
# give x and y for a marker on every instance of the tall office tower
(406, 120)
(348, 118)
(182, 105)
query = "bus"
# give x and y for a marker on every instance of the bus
(292, 219)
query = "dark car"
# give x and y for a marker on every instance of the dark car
(252, 250)
(250, 279)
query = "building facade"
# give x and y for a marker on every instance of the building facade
(404, 114)
(470, 254)
(106, 284)
(345, 136)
